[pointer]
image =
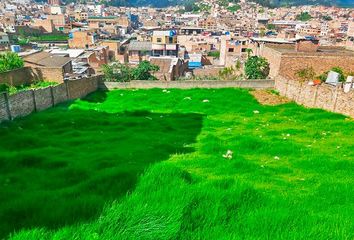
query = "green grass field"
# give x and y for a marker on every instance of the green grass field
(148, 164)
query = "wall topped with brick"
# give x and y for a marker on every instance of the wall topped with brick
(323, 96)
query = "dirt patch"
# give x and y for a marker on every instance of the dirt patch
(269, 97)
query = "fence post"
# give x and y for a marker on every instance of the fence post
(335, 99)
(34, 100)
(52, 95)
(67, 89)
(315, 97)
(7, 105)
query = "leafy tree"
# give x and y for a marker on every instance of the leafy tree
(10, 61)
(304, 16)
(144, 71)
(256, 68)
(117, 72)
(215, 54)
(327, 18)
(270, 26)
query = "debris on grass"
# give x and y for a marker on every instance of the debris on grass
(228, 154)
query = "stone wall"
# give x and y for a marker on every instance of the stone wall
(21, 104)
(80, 88)
(323, 96)
(256, 84)
(25, 102)
(3, 107)
(43, 98)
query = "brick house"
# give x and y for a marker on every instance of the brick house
(48, 67)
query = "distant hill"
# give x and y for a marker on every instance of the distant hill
(268, 3)
(276, 3)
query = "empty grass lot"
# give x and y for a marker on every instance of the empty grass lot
(148, 164)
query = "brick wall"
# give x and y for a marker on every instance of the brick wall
(80, 88)
(290, 65)
(287, 63)
(25, 102)
(18, 77)
(50, 74)
(257, 84)
(323, 96)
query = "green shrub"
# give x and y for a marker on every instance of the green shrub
(342, 75)
(257, 68)
(10, 61)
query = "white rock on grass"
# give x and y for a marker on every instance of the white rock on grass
(187, 98)
(256, 112)
(276, 158)
(205, 101)
(228, 154)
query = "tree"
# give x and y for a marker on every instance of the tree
(256, 68)
(144, 71)
(304, 16)
(117, 72)
(10, 61)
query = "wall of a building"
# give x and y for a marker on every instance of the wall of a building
(288, 64)
(19, 76)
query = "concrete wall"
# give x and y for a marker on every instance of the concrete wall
(24, 103)
(256, 84)
(323, 96)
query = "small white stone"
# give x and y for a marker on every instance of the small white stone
(276, 158)
(256, 112)
(205, 100)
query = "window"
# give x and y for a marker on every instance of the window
(159, 40)
(170, 39)
(231, 50)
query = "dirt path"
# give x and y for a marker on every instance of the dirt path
(267, 97)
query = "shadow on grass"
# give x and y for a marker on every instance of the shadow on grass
(61, 166)
(96, 97)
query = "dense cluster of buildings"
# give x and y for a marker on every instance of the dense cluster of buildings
(83, 37)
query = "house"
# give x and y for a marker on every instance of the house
(164, 43)
(139, 51)
(4, 39)
(82, 39)
(171, 68)
(47, 66)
